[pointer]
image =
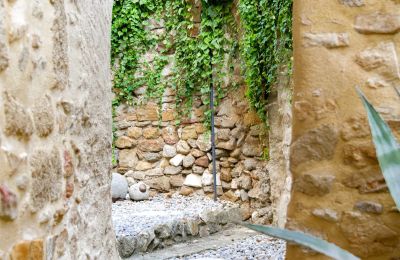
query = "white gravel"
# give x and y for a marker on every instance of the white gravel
(132, 217)
(258, 247)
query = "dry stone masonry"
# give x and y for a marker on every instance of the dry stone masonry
(339, 193)
(55, 130)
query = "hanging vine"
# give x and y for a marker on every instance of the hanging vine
(265, 43)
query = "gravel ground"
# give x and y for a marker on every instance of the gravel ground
(258, 247)
(131, 217)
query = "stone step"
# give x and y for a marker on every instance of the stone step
(234, 243)
(162, 222)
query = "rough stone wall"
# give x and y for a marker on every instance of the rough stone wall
(150, 147)
(339, 193)
(55, 135)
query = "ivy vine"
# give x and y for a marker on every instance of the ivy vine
(264, 43)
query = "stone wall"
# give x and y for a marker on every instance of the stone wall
(151, 147)
(55, 134)
(339, 192)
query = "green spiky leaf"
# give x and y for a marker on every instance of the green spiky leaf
(387, 149)
(301, 238)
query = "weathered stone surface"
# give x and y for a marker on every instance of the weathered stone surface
(182, 147)
(223, 134)
(317, 144)
(124, 142)
(8, 204)
(252, 147)
(327, 214)
(376, 83)
(43, 117)
(176, 180)
(149, 112)
(126, 245)
(207, 179)
(139, 191)
(152, 157)
(226, 174)
(47, 177)
(143, 166)
(368, 236)
(250, 164)
(359, 154)
(33, 249)
(159, 183)
(151, 145)
(17, 120)
(119, 186)
(169, 151)
(189, 132)
(172, 170)
(188, 161)
(193, 180)
(230, 196)
(230, 145)
(151, 133)
(198, 169)
(170, 135)
(186, 191)
(327, 40)
(177, 160)
(369, 207)
(127, 158)
(315, 184)
(355, 127)
(202, 161)
(353, 3)
(245, 182)
(134, 132)
(377, 22)
(382, 59)
(204, 143)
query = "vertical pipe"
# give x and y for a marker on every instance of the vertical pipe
(214, 170)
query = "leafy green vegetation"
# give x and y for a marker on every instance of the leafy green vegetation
(265, 44)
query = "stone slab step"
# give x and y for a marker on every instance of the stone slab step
(161, 222)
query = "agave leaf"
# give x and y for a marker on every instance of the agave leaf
(301, 238)
(387, 149)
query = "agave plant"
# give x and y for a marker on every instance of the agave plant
(388, 154)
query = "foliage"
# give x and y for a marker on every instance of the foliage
(307, 240)
(387, 149)
(266, 45)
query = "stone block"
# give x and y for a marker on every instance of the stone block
(315, 184)
(193, 180)
(378, 23)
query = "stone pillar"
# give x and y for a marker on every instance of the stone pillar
(55, 134)
(339, 193)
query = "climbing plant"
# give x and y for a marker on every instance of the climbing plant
(200, 48)
(266, 45)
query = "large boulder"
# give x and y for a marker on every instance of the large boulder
(119, 186)
(139, 191)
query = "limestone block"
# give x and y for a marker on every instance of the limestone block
(353, 3)
(327, 214)
(127, 158)
(327, 40)
(188, 161)
(151, 145)
(252, 147)
(229, 145)
(204, 142)
(183, 147)
(124, 142)
(189, 132)
(193, 180)
(134, 132)
(172, 170)
(378, 22)
(151, 133)
(176, 180)
(202, 161)
(160, 183)
(177, 160)
(170, 135)
(119, 186)
(315, 183)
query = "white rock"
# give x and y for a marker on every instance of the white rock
(169, 151)
(208, 179)
(119, 186)
(177, 160)
(139, 191)
(131, 181)
(193, 180)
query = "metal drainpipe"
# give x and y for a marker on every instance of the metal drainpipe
(214, 170)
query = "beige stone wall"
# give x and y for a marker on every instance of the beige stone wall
(339, 193)
(55, 135)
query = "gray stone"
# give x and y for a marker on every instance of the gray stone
(353, 3)
(139, 191)
(126, 245)
(229, 145)
(169, 151)
(160, 183)
(369, 207)
(119, 186)
(245, 182)
(252, 147)
(188, 161)
(152, 157)
(250, 164)
(203, 142)
(172, 170)
(223, 134)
